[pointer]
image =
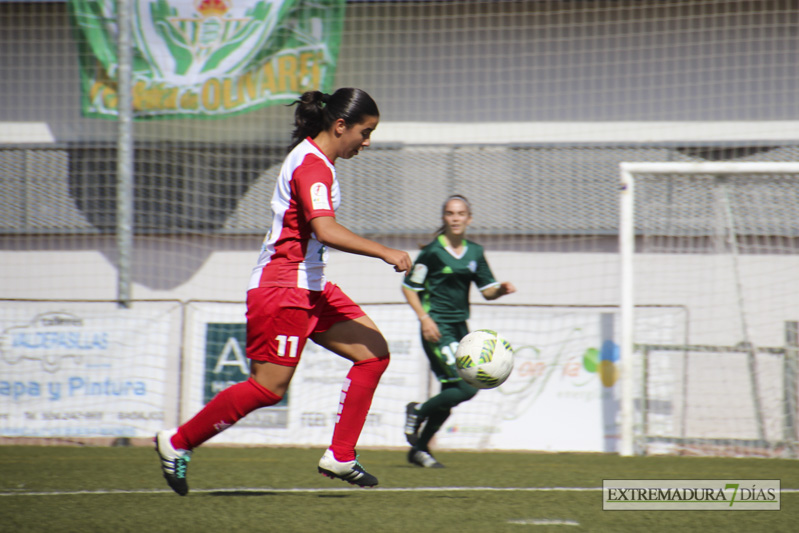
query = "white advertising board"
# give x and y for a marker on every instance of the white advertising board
(87, 369)
(561, 395)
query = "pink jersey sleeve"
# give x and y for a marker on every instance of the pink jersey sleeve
(313, 183)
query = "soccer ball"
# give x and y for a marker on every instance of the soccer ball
(484, 359)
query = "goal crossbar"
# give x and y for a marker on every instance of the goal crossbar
(709, 167)
(627, 248)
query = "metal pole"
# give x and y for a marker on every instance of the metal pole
(626, 311)
(751, 358)
(124, 153)
(789, 390)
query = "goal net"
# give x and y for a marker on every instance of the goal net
(525, 107)
(719, 240)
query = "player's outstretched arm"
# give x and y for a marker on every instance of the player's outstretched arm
(492, 293)
(331, 233)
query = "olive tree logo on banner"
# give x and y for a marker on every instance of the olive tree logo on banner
(208, 58)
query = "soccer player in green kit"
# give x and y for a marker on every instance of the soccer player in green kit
(437, 288)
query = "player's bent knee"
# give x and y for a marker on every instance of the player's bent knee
(364, 352)
(376, 365)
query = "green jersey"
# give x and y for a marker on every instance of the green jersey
(443, 278)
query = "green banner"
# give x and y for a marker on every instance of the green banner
(208, 58)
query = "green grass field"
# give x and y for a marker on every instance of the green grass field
(87, 489)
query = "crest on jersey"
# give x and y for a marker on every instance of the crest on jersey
(472, 266)
(319, 197)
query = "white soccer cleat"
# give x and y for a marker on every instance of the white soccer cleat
(350, 471)
(423, 459)
(173, 462)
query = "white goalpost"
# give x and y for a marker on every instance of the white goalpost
(720, 239)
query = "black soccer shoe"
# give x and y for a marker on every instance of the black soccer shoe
(173, 462)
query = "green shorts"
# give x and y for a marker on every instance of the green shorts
(442, 353)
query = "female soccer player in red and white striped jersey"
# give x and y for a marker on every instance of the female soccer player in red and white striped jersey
(289, 300)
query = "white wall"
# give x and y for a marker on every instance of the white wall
(557, 279)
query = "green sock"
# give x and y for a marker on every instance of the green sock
(437, 409)
(431, 427)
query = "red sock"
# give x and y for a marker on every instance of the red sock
(224, 410)
(356, 398)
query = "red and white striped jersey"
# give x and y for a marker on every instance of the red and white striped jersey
(306, 188)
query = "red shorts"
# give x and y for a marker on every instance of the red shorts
(281, 319)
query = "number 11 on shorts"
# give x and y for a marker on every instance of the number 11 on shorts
(283, 342)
